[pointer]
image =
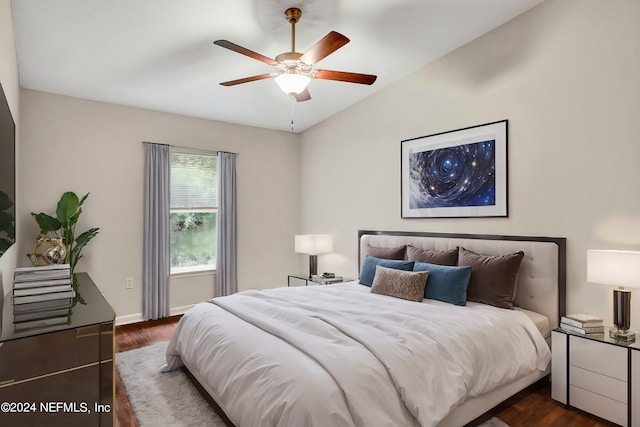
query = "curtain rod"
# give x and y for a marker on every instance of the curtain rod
(192, 149)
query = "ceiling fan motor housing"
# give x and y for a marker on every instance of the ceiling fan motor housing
(293, 14)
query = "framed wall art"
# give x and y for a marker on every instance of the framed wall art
(459, 173)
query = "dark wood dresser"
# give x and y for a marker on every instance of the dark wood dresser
(60, 375)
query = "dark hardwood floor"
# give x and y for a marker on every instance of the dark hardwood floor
(532, 407)
(129, 337)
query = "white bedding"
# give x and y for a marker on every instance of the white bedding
(340, 355)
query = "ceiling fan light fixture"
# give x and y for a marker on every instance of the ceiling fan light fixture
(292, 83)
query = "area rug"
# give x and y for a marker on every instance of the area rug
(169, 398)
(162, 398)
(494, 422)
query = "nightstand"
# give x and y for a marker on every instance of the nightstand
(598, 375)
(303, 280)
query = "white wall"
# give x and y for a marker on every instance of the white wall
(11, 87)
(69, 144)
(565, 75)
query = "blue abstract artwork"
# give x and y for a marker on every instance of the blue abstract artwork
(459, 173)
(456, 176)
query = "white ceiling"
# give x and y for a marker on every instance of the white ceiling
(158, 54)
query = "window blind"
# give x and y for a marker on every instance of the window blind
(194, 181)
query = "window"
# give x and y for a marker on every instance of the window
(193, 211)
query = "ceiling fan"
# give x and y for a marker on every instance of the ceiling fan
(294, 70)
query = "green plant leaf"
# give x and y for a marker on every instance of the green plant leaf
(47, 223)
(68, 208)
(80, 242)
(74, 218)
(78, 299)
(7, 228)
(5, 201)
(6, 221)
(5, 244)
(84, 238)
(73, 259)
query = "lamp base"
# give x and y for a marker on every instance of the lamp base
(619, 335)
(313, 265)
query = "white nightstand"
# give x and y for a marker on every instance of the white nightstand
(598, 375)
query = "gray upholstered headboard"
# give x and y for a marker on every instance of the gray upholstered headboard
(542, 277)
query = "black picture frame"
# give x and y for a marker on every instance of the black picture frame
(460, 173)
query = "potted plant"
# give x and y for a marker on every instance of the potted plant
(63, 226)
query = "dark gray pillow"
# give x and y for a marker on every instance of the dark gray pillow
(407, 285)
(387, 253)
(433, 256)
(493, 278)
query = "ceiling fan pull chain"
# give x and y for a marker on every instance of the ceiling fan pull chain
(292, 102)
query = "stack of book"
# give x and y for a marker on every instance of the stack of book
(583, 324)
(42, 296)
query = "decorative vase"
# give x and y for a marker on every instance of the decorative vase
(48, 250)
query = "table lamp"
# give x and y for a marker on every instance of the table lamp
(618, 268)
(314, 245)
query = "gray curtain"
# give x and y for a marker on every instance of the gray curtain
(156, 269)
(226, 280)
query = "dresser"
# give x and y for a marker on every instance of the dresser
(61, 375)
(598, 375)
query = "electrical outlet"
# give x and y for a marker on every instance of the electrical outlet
(128, 283)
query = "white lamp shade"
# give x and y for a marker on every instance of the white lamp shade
(611, 267)
(313, 244)
(292, 83)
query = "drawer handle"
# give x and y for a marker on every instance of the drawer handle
(5, 382)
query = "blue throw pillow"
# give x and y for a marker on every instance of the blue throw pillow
(448, 284)
(369, 267)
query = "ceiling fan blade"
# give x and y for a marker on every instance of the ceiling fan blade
(365, 79)
(325, 47)
(303, 96)
(248, 79)
(244, 51)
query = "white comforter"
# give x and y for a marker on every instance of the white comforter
(341, 356)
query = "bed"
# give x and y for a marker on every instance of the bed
(343, 355)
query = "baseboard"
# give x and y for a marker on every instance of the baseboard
(180, 310)
(129, 318)
(137, 317)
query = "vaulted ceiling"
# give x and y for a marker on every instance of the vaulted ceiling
(158, 54)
